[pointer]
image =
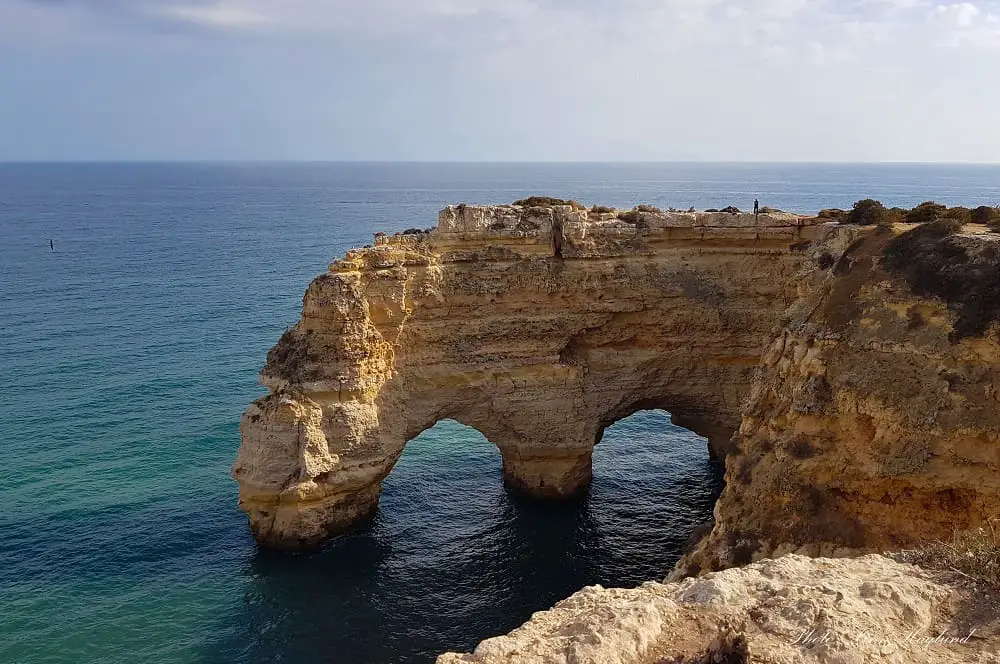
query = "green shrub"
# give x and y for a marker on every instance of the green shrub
(631, 216)
(648, 208)
(895, 215)
(984, 214)
(925, 213)
(540, 201)
(867, 212)
(601, 209)
(544, 201)
(413, 231)
(831, 213)
(962, 215)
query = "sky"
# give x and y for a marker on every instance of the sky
(521, 80)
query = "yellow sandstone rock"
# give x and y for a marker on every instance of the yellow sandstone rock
(861, 422)
(537, 326)
(868, 428)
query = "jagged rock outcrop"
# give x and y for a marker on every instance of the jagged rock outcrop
(793, 610)
(537, 326)
(870, 426)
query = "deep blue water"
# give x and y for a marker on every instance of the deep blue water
(128, 354)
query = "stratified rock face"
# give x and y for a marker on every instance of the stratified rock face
(792, 610)
(539, 327)
(870, 426)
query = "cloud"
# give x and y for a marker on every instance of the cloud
(962, 15)
(966, 26)
(579, 79)
(304, 16)
(827, 30)
(214, 15)
(376, 15)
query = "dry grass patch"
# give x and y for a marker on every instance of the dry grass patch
(972, 553)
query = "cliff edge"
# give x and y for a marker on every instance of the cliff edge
(869, 610)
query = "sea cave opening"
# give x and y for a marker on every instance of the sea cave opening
(465, 548)
(451, 558)
(655, 487)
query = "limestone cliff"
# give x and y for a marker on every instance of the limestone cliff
(871, 425)
(793, 610)
(537, 326)
(866, 414)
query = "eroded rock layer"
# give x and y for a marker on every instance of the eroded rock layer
(537, 326)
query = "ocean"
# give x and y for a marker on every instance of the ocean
(129, 352)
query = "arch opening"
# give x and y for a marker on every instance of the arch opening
(655, 484)
(714, 429)
(443, 471)
(656, 477)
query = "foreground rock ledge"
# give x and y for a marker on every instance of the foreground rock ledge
(793, 609)
(537, 326)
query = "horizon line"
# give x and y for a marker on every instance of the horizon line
(23, 162)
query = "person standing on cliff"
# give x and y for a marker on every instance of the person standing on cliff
(756, 207)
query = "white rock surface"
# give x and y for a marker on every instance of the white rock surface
(791, 610)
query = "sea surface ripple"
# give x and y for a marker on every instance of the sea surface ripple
(129, 352)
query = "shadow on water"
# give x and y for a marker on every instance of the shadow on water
(361, 600)
(451, 559)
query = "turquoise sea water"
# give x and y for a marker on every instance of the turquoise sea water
(129, 352)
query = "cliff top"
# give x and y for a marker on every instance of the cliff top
(479, 218)
(514, 223)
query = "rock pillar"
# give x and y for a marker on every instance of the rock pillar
(286, 523)
(296, 491)
(546, 473)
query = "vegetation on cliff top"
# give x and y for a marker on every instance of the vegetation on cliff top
(547, 201)
(869, 212)
(935, 265)
(973, 553)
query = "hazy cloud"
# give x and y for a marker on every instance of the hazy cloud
(214, 15)
(575, 79)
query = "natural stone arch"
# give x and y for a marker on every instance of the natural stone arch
(716, 428)
(481, 322)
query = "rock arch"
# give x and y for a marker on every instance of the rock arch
(538, 327)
